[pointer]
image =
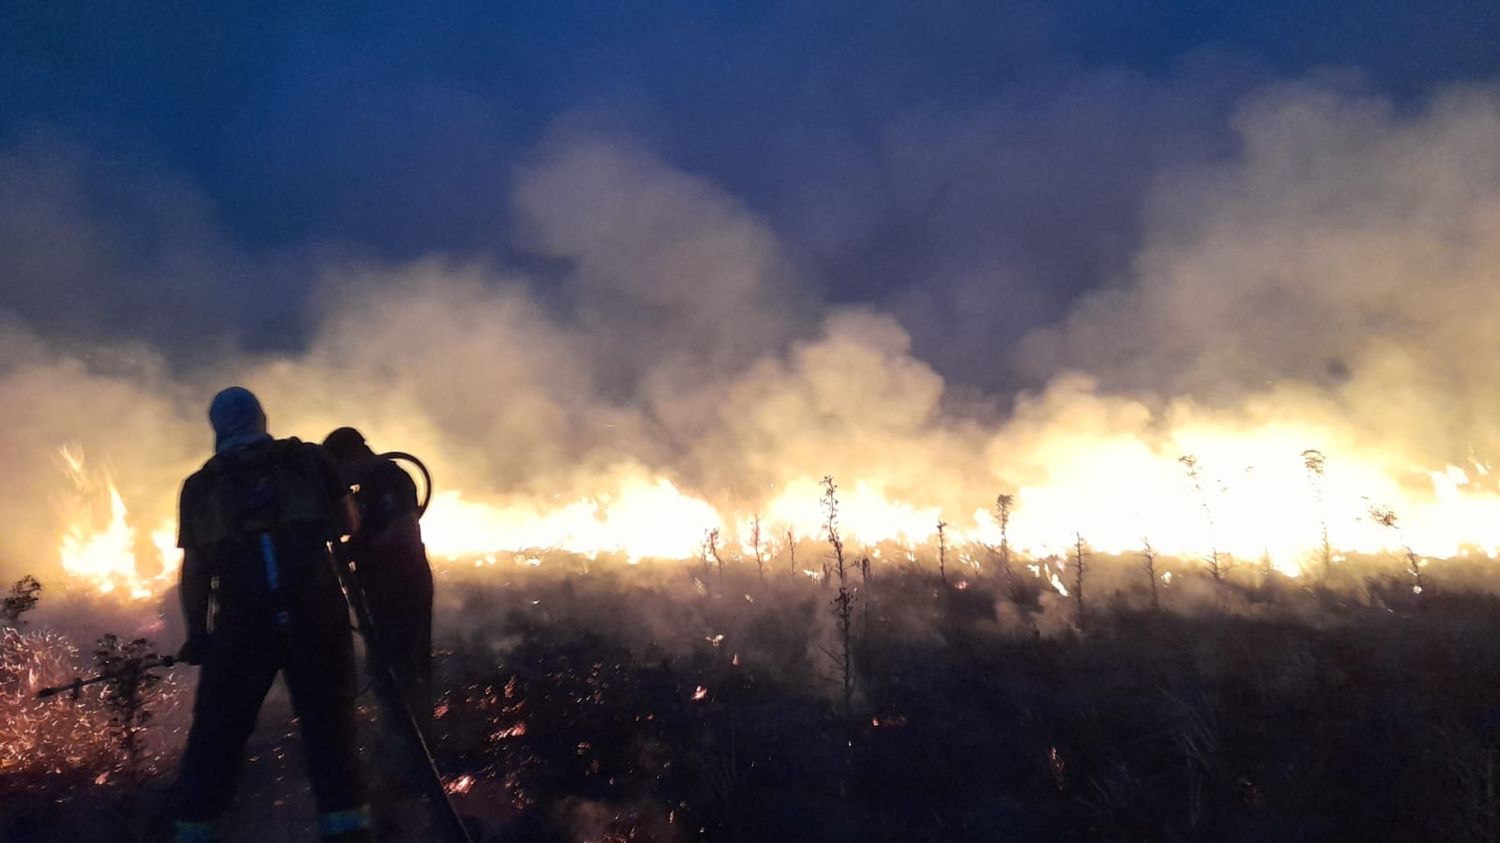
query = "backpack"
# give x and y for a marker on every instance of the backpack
(272, 489)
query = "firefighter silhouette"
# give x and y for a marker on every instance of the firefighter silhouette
(255, 526)
(392, 564)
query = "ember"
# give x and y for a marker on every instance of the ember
(58, 736)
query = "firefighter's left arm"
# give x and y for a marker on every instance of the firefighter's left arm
(403, 535)
(195, 578)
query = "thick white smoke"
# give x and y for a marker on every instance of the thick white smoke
(1331, 285)
(1352, 247)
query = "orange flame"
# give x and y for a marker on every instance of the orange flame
(101, 552)
(1251, 495)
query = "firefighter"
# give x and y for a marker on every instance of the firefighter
(255, 526)
(392, 566)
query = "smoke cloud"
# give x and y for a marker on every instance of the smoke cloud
(1350, 249)
(1329, 283)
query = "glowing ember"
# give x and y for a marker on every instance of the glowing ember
(515, 731)
(56, 735)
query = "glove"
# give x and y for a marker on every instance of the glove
(193, 649)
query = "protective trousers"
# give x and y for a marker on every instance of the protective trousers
(400, 601)
(316, 660)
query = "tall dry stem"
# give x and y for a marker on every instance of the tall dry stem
(1148, 561)
(1316, 464)
(1216, 567)
(843, 603)
(942, 527)
(760, 559)
(1386, 517)
(1004, 505)
(1080, 568)
(712, 542)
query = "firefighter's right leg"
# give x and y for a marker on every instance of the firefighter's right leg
(233, 683)
(401, 605)
(421, 651)
(320, 673)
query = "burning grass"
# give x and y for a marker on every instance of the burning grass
(1292, 712)
(666, 703)
(78, 765)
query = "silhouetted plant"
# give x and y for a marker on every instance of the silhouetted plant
(1386, 517)
(942, 527)
(128, 693)
(843, 602)
(1148, 561)
(760, 559)
(1080, 568)
(1003, 507)
(864, 604)
(1216, 566)
(711, 542)
(1316, 464)
(22, 599)
(706, 557)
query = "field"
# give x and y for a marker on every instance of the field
(684, 702)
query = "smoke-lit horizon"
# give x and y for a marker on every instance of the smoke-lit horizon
(654, 342)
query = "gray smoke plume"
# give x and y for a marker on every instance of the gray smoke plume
(1337, 267)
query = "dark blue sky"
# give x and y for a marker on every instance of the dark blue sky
(894, 147)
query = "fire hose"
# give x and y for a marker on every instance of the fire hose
(402, 456)
(75, 688)
(388, 693)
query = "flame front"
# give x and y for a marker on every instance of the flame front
(1248, 493)
(641, 519)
